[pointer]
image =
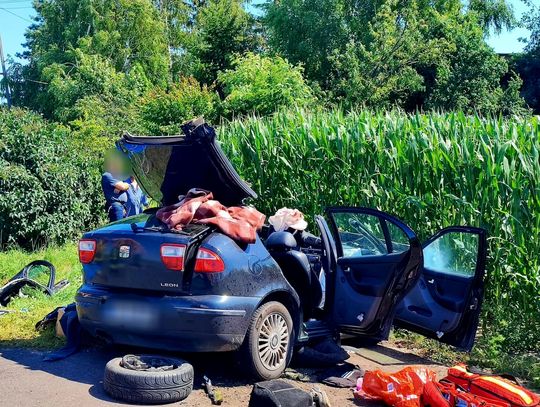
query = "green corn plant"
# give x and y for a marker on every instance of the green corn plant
(431, 170)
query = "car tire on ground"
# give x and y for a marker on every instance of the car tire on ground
(149, 386)
(268, 345)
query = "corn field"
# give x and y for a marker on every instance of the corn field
(431, 170)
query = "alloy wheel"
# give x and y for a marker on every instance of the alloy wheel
(273, 341)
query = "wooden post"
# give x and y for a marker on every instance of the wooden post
(4, 74)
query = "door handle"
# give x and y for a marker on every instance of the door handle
(432, 281)
(346, 269)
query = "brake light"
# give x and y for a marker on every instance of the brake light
(208, 262)
(172, 256)
(87, 250)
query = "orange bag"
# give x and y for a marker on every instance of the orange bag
(493, 387)
(400, 389)
(445, 394)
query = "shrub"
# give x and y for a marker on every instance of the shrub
(49, 192)
(91, 76)
(162, 111)
(262, 85)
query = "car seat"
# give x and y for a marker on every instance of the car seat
(297, 270)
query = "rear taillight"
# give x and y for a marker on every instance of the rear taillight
(87, 250)
(208, 262)
(172, 256)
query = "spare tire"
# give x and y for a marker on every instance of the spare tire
(147, 379)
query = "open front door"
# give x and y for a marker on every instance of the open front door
(376, 260)
(445, 303)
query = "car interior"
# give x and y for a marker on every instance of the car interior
(298, 254)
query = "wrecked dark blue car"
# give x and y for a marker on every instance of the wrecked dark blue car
(197, 290)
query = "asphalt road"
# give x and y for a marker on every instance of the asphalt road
(26, 380)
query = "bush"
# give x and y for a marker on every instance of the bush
(91, 76)
(162, 111)
(49, 192)
(263, 85)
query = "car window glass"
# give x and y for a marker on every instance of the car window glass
(400, 242)
(360, 234)
(453, 253)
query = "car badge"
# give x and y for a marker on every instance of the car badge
(123, 253)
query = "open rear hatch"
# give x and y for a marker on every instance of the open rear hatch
(167, 167)
(132, 254)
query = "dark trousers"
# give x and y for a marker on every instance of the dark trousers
(116, 211)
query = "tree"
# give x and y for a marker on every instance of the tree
(469, 79)
(307, 32)
(127, 32)
(262, 85)
(222, 29)
(89, 76)
(386, 52)
(528, 63)
(380, 66)
(126, 35)
(493, 14)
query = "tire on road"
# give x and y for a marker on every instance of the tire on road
(149, 386)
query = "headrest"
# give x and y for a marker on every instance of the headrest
(281, 241)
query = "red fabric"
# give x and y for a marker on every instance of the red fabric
(197, 206)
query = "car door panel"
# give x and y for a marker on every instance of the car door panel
(447, 290)
(445, 302)
(371, 276)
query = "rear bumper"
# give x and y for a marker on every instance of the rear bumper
(209, 323)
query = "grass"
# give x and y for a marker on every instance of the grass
(17, 328)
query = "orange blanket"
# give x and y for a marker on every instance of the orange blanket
(197, 206)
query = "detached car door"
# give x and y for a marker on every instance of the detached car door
(445, 302)
(373, 259)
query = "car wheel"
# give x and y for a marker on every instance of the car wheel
(148, 379)
(267, 348)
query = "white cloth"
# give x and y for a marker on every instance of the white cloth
(288, 218)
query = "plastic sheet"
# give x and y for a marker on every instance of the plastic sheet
(400, 389)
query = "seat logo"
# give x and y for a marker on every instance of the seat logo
(169, 285)
(123, 252)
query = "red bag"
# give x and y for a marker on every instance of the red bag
(493, 387)
(446, 394)
(400, 389)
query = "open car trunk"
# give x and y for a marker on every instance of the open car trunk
(167, 167)
(127, 253)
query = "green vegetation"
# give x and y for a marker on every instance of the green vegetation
(94, 68)
(263, 85)
(89, 62)
(411, 54)
(49, 190)
(432, 171)
(163, 111)
(17, 328)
